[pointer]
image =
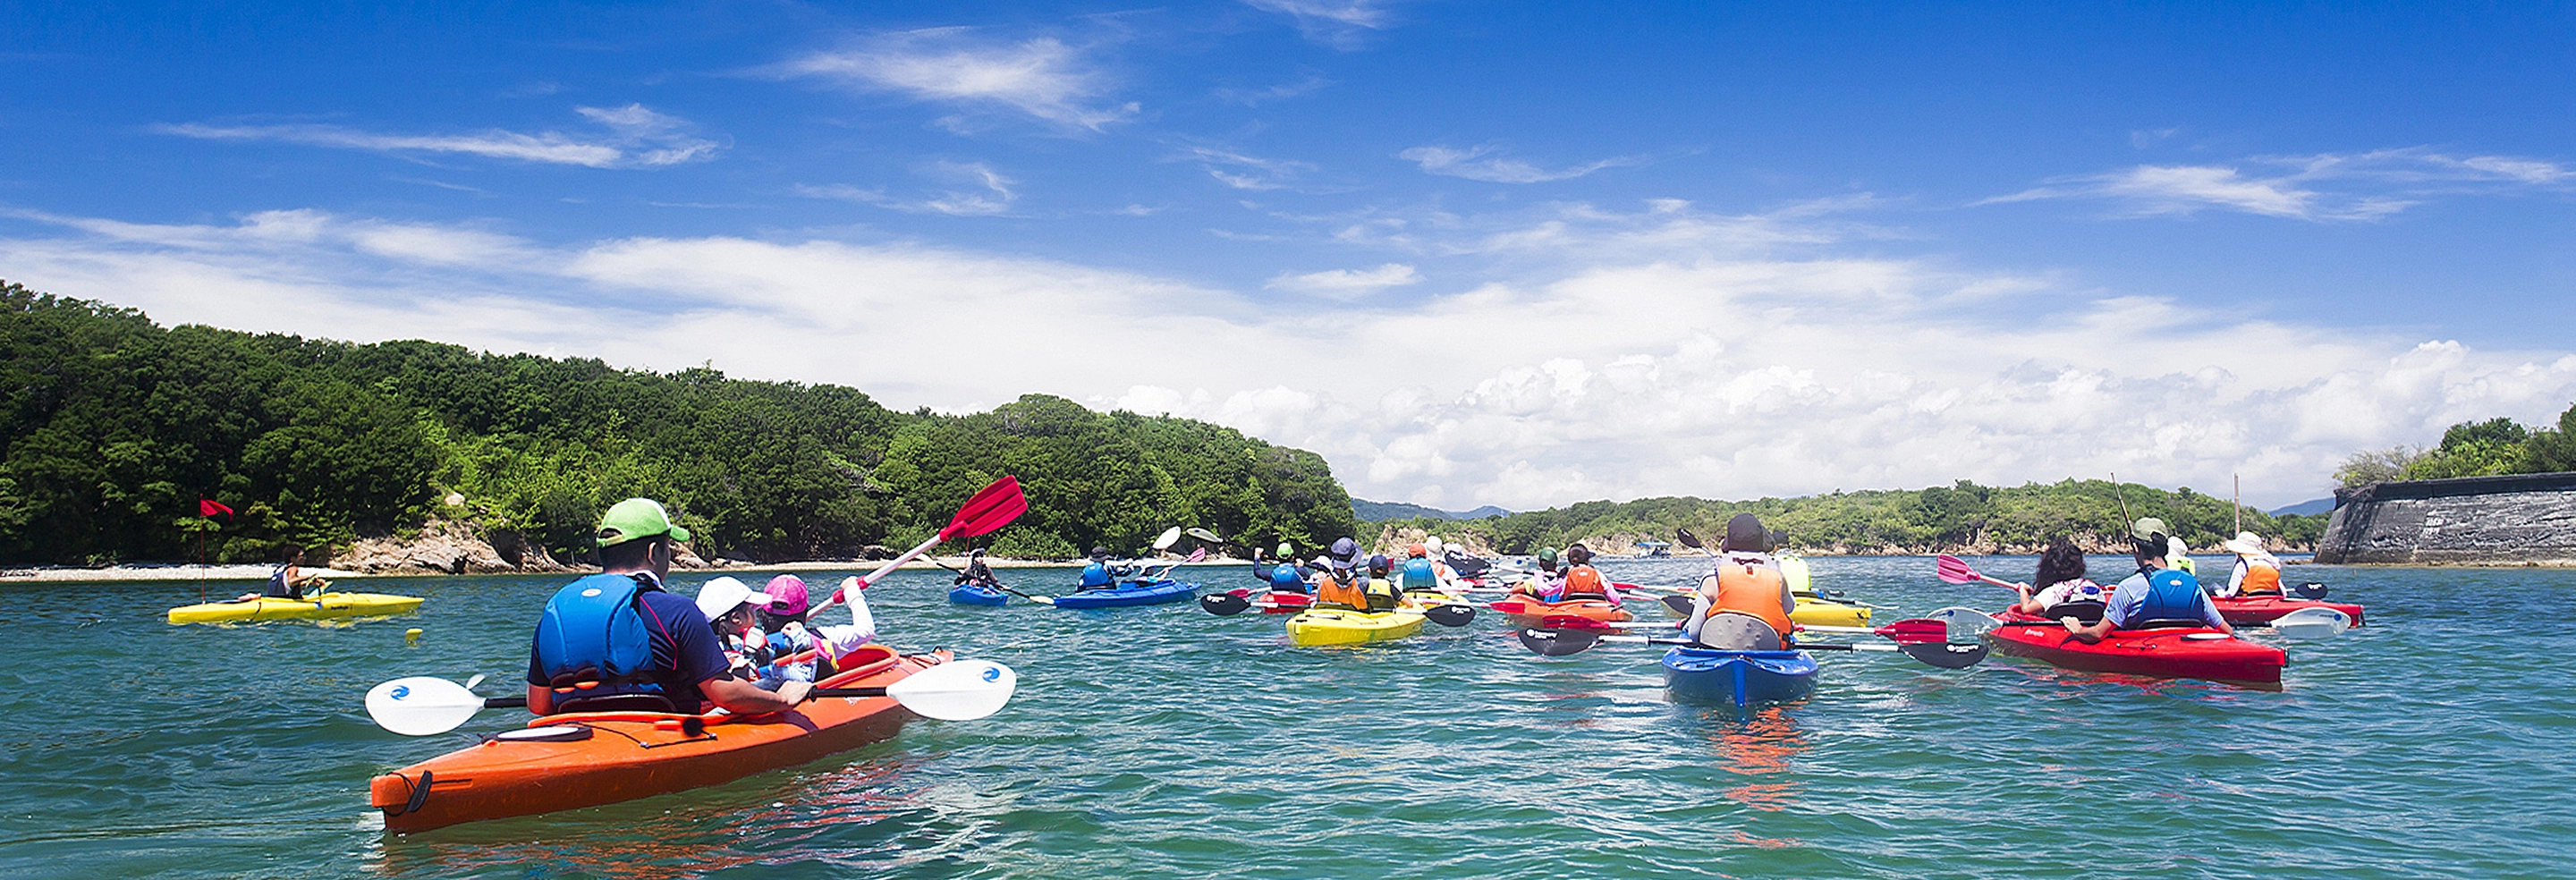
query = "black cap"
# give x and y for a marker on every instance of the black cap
(1745, 534)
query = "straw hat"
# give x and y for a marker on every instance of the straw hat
(2244, 544)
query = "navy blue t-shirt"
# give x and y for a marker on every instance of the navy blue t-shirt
(685, 649)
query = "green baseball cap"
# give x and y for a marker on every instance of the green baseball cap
(637, 518)
(2149, 527)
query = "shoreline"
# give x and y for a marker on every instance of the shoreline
(182, 572)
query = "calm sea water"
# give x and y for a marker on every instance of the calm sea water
(1163, 742)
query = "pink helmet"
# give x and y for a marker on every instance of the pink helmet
(786, 595)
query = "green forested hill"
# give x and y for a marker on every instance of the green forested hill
(112, 428)
(1960, 517)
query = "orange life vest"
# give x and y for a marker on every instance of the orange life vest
(1331, 589)
(1752, 590)
(1584, 582)
(2261, 579)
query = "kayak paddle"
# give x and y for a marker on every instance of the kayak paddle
(2310, 623)
(1926, 640)
(1954, 570)
(1227, 604)
(959, 690)
(991, 508)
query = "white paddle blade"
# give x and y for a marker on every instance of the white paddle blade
(1168, 538)
(1205, 535)
(421, 705)
(1966, 624)
(958, 690)
(2312, 623)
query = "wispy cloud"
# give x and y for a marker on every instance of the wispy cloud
(1348, 284)
(1481, 163)
(2325, 187)
(1258, 97)
(1342, 24)
(1040, 77)
(1247, 172)
(639, 138)
(991, 193)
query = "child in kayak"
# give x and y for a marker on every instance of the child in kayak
(1582, 581)
(1546, 584)
(2257, 571)
(2068, 593)
(783, 631)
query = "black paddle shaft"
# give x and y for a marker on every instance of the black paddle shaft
(511, 702)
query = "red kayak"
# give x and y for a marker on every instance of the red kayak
(2243, 610)
(2168, 652)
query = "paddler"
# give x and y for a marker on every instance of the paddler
(1582, 581)
(287, 580)
(1744, 603)
(1547, 584)
(1098, 574)
(2065, 591)
(785, 625)
(2257, 571)
(977, 572)
(2156, 595)
(618, 640)
(1419, 573)
(2178, 556)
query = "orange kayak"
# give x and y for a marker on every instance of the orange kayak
(608, 757)
(1528, 611)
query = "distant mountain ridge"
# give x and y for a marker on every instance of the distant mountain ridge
(1381, 511)
(2306, 508)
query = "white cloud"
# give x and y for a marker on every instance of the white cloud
(1342, 24)
(642, 139)
(1346, 284)
(1247, 172)
(990, 196)
(1040, 77)
(1639, 361)
(1480, 164)
(1257, 97)
(2318, 188)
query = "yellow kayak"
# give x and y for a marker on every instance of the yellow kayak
(1327, 626)
(1815, 610)
(1823, 612)
(315, 608)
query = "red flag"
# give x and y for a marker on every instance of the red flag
(210, 507)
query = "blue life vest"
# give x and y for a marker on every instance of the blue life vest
(591, 632)
(1096, 575)
(1284, 579)
(2172, 594)
(1419, 575)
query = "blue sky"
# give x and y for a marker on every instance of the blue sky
(1522, 254)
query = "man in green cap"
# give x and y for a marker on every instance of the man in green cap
(2156, 595)
(618, 641)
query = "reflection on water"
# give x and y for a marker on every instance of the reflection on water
(767, 819)
(1759, 748)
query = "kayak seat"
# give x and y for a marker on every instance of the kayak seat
(2168, 623)
(616, 703)
(2083, 612)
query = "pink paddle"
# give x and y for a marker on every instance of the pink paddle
(1955, 570)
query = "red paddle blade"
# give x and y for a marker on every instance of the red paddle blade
(994, 507)
(1572, 621)
(1916, 632)
(1955, 570)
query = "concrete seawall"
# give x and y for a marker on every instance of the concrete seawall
(2507, 520)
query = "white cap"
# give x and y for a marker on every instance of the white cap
(722, 595)
(2244, 544)
(1432, 544)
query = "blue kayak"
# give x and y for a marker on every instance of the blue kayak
(976, 594)
(1738, 678)
(1129, 593)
